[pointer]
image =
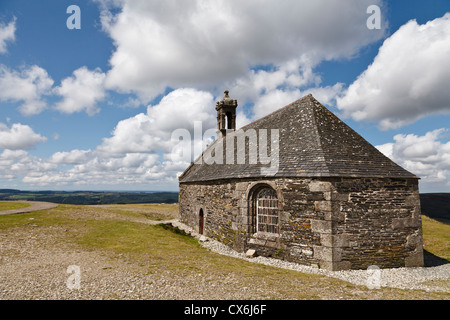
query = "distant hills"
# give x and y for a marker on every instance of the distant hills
(434, 205)
(89, 197)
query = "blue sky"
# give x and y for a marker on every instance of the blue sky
(94, 108)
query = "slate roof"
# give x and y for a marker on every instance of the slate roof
(313, 142)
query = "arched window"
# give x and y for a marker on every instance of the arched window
(267, 211)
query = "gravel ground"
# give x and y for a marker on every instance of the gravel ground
(34, 264)
(402, 278)
(33, 267)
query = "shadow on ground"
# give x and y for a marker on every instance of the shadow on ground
(431, 260)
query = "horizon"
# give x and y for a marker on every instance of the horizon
(87, 190)
(140, 191)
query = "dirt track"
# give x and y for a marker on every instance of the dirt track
(35, 206)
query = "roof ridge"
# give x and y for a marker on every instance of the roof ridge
(316, 130)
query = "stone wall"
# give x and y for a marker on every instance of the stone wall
(332, 223)
(380, 222)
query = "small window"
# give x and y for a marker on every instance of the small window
(267, 211)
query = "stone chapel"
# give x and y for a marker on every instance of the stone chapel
(301, 185)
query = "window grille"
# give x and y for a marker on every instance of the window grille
(267, 211)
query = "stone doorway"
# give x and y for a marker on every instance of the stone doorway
(201, 222)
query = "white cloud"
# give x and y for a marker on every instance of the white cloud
(7, 34)
(272, 100)
(139, 151)
(27, 86)
(287, 77)
(198, 43)
(18, 137)
(81, 92)
(152, 131)
(407, 80)
(15, 164)
(425, 156)
(72, 157)
(91, 168)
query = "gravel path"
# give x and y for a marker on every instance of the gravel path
(34, 206)
(402, 278)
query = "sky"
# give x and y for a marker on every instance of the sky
(91, 95)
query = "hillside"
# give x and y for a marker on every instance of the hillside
(435, 205)
(89, 197)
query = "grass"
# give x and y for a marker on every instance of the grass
(156, 249)
(151, 211)
(12, 205)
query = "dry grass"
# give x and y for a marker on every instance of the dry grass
(12, 205)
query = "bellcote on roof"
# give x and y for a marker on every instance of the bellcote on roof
(313, 142)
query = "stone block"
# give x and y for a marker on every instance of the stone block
(323, 253)
(415, 260)
(335, 266)
(414, 240)
(401, 223)
(285, 216)
(321, 226)
(258, 242)
(341, 265)
(242, 219)
(327, 253)
(323, 186)
(251, 253)
(272, 244)
(335, 215)
(242, 203)
(322, 206)
(340, 196)
(339, 241)
(241, 186)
